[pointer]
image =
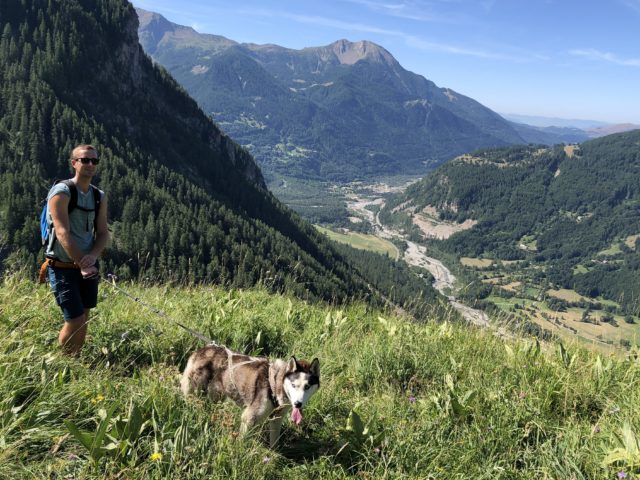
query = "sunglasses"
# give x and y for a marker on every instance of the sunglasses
(85, 161)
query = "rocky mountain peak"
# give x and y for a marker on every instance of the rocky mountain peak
(349, 53)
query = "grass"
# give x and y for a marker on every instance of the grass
(362, 241)
(476, 262)
(580, 269)
(397, 399)
(612, 251)
(567, 295)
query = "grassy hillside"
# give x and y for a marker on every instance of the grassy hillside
(439, 400)
(362, 241)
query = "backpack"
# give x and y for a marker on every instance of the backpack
(46, 229)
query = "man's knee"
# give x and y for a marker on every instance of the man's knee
(76, 323)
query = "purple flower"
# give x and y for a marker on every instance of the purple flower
(412, 399)
(622, 474)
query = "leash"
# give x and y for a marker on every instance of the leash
(111, 280)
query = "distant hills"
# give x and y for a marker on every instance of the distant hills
(568, 216)
(540, 121)
(186, 203)
(573, 130)
(344, 111)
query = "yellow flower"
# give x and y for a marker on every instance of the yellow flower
(98, 398)
(156, 457)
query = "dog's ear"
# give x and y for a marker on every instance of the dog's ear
(292, 365)
(315, 367)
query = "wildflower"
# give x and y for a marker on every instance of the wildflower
(376, 450)
(622, 474)
(155, 457)
(412, 399)
(98, 398)
(266, 459)
(596, 428)
(73, 457)
(522, 395)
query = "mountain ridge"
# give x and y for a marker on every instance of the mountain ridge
(342, 111)
(570, 215)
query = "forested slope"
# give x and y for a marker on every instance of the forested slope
(572, 212)
(186, 202)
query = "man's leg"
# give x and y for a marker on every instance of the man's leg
(73, 333)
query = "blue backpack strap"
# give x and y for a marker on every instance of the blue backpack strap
(46, 229)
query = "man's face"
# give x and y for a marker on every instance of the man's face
(81, 165)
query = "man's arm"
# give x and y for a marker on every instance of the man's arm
(102, 230)
(59, 207)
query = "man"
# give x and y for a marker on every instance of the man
(77, 240)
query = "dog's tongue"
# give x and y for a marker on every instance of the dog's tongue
(296, 416)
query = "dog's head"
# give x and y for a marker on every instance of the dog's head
(301, 381)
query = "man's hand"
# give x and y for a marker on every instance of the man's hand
(89, 272)
(87, 261)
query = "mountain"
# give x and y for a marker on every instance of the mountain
(609, 129)
(568, 216)
(550, 135)
(538, 121)
(551, 130)
(186, 203)
(344, 111)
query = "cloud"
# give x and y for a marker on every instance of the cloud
(434, 11)
(632, 4)
(410, 40)
(341, 25)
(594, 54)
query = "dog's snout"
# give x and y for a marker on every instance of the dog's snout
(297, 404)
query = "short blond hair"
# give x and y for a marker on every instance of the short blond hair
(80, 148)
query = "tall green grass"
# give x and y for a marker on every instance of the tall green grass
(397, 399)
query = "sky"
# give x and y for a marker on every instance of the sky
(556, 58)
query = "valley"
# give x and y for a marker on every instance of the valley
(365, 202)
(517, 296)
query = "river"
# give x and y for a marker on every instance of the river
(444, 280)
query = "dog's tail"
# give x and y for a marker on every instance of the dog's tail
(185, 382)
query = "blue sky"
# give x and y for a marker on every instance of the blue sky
(559, 58)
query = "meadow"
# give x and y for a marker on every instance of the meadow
(363, 241)
(398, 399)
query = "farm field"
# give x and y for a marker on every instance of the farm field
(563, 312)
(362, 241)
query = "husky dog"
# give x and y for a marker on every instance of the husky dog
(264, 388)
